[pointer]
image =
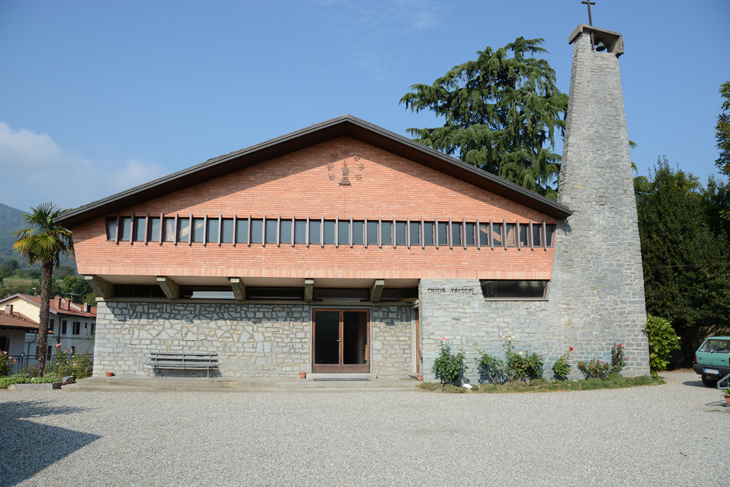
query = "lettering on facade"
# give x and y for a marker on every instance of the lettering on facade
(453, 290)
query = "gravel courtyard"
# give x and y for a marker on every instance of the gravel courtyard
(665, 435)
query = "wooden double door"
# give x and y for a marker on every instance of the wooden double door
(341, 341)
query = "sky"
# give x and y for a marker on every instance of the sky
(98, 97)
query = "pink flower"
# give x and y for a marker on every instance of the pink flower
(620, 344)
(5, 352)
(58, 344)
(446, 339)
(65, 351)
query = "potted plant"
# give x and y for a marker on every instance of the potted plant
(302, 375)
(726, 393)
(109, 374)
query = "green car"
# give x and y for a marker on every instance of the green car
(712, 360)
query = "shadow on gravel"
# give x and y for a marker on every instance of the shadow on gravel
(694, 383)
(27, 447)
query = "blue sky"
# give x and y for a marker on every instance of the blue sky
(96, 97)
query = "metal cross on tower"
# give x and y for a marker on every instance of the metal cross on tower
(590, 20)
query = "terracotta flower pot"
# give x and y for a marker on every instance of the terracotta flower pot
(302, 375)
(109, 374)
(419, 377)
(727, 399)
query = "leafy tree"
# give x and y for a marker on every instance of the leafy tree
(722, 133)
(686, 271)
(65, 270)
(43, 242)
(716, 203)
(75, 287)
(501, 114)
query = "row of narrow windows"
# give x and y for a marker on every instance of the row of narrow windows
(75, 327)
(337, 232)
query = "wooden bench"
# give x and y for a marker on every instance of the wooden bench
(183, 361)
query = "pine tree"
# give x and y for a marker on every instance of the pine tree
(502, 114)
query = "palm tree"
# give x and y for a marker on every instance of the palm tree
(43, 243)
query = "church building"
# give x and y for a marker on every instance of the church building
(346, 248)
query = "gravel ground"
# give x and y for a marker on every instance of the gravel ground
(664, 435)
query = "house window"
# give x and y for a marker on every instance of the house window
(469, 233)
(415, 233)
(140, 228)
(50, 325)
(386, 233)
(257, 230)
(484, 234)
(300, 232)
(358, 232)
(514, 289)
(242, 231)
(73, 350)
(372, 232)
(198, 229)
(76, 328)
(537, 235)
(550, 237)
(211, 232)
(271, 231)
(511, 235)
(111, 228)
(126, 228)
(443, 236)
(285, 232)
(428, 229)
(63, 327)
(455, 233)
(154, 229)
(227, 231)
(93, 327)
(5, 344)
(329, 231)
(400, 233)
(183, 230)
(315, 227)
(497, 234)
(343, 232)
(169, 230)
(524, 242)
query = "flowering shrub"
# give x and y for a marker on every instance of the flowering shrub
(6, 364)
(522, 366)
(79, 366)
(561, 367)
(597, 369)
(618, 359)
(492, 369)
(449, 368)
(662, 340)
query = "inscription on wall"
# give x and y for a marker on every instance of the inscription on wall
(342, 158)
(451, 290)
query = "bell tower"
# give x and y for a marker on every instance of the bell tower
(598, 284)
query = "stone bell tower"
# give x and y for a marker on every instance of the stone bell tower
(597, 284)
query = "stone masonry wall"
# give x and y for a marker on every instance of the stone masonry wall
(251, 340)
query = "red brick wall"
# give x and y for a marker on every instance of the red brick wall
(302, 184)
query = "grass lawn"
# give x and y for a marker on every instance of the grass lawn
(542, 385)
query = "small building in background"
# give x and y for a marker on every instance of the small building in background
(14, 328)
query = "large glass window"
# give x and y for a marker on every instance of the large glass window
(484, 234)
(227, 231)
(497, 230)
(386, 232)
(524, 242)
(126, 228)
(315, 227)
(285, 232)
(242, 231)
(443, 230)
(358, 232)
(183, 229)
(300, 232)
(271, 231)
(111, 228)
(343, 232)
(550, 237)
(470, 231)
(511, 235)
(400, 233)
(211, 234)
(415, 233)
(428, 228)
(329, 232)
(456, 234)
(154, 229)
(537, 235)
(257, 230)
(514, 289)
(372, 232)
(140, 228)
(198, 229)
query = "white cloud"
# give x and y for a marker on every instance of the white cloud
(34, 169)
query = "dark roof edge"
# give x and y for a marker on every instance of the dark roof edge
(81, 214)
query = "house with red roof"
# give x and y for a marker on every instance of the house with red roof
(14, 327)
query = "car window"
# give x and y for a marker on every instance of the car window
(715, 345)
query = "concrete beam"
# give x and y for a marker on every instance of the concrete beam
(101, 287)
(308, 289)
(169, 287)
(239, 288)
(376, 290)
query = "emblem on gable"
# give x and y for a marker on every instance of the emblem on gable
(354, 169)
